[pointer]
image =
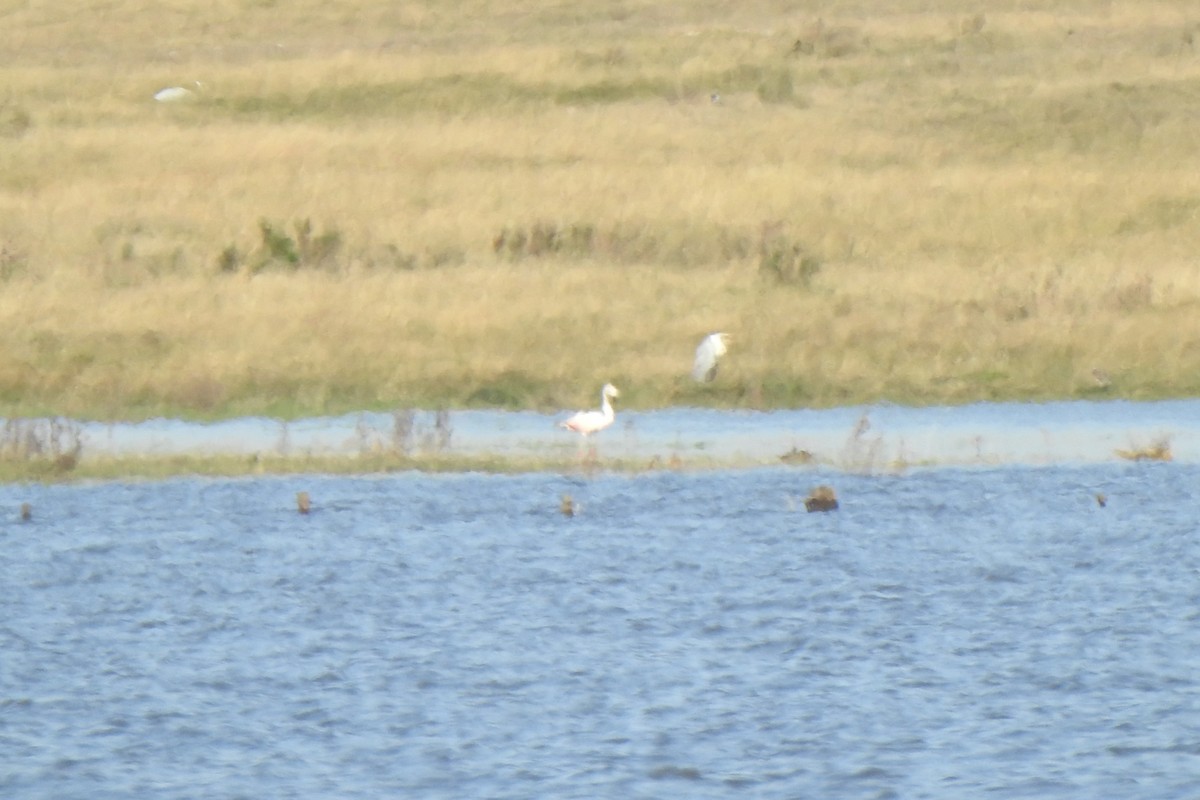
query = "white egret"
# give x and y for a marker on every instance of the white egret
(175, 94)
(711, 348)
(586, 423)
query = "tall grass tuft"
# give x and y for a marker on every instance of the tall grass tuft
(41, 446)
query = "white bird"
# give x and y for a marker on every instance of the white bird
(711, 348)
(175, 94)
(589, 422)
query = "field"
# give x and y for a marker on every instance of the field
(392, 205)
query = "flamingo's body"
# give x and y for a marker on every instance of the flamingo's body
(586, 423)
(711, 348)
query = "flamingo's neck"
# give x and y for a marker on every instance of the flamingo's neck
(606, 406)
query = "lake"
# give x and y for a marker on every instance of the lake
(866, 438)
(949, 632)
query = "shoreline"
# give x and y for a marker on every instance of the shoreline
(875, 439)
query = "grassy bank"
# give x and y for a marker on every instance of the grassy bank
(370, 206)
(163, 467)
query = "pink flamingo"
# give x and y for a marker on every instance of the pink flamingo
(586, 423)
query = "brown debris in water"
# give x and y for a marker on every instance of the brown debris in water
(1159, 451)
(797, 456)
(822, 498)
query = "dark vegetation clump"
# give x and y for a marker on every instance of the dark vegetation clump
(13, 262)
(784, 260)
(305, 248)
(15, 121)
(683, 245)
(301, 249)
(781, 259)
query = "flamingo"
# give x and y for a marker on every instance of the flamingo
(711, 348)
(586, 423)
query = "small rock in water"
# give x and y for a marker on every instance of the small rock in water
(822, 498)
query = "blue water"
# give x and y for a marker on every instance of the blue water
(948, 633)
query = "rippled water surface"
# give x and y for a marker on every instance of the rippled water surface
(948, 633)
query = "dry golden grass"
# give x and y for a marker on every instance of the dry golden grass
(979, 206)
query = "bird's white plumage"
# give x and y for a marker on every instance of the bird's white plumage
(708, 354)
(175, 94)
(589, 422)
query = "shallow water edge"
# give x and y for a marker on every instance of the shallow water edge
(863, 439)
